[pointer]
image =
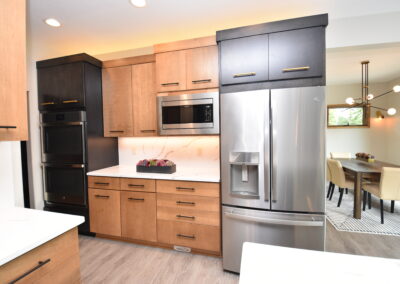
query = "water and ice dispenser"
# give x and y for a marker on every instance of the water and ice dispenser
(244, 173)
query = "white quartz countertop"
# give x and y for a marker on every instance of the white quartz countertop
(273, 264)
(182, 173)
(25, 229)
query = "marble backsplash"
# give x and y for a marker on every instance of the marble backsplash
(186, 151)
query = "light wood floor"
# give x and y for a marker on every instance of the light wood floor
(107, 261)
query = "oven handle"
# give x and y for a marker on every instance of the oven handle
(62, 123)
(64, 166)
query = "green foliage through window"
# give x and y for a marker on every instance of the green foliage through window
(344, 116)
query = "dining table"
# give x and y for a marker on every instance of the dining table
(360, 168)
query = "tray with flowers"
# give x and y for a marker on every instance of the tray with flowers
(161, 166)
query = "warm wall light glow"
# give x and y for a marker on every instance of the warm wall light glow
(138, 3)
(52, 22)
(350, 101)
(391, 111)
(396, 88)
(370, 97)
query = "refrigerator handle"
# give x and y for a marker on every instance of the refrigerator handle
(273, 148)
(267, 150)
(316, 223)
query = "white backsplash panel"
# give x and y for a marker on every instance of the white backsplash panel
(186, 151)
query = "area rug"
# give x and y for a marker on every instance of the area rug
(370, 222)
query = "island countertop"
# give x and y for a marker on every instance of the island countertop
(182, 173)
(25, 229)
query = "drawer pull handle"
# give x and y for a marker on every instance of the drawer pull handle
(186, 217)
(102, 196)
(185, 203)
(48, 103)
(148, 131)
(102, 183)
(136, 185)
(185, 188)
(116, 131)
(303, 68)
(135, 199)
(186, 236)
(8, 126)
(239, 75)
(39, 265)
(70, 101)
(170, 84)
(201, 81)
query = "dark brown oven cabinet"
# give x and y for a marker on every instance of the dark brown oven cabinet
(61, 86)
(244, 60)
(297, 54)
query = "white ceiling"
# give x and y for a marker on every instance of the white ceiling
(103, 26)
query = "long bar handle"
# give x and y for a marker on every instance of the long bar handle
(185, 203)
(39, 265)
(170, 84)
(185, 188)
(185, 217)
(116, 131)
(102, 196)
(102, 183)
(48, 103)
(70, 101)
(186, 236)
(136, 185)
(274, 221)
(201, 81)
(148, 131)
(302, 68)
(135, 199)
(8, 126)
(249, 74)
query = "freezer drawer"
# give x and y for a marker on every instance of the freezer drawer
(306, 231)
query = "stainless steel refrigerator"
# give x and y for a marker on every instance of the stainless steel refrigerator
(272, 169)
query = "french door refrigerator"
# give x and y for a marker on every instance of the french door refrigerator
(272, 169)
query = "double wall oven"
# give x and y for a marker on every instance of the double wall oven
(64, 158)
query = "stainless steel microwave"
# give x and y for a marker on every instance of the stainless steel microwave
(188, 114)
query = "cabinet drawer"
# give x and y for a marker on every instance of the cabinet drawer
(189, 235)
(56, 261)
(297, 54)
(137, 184)
(188, 188)
(188, 215)
(104, 182)
(104, 208)
(138, 215)
(244, 60)
(189, 202)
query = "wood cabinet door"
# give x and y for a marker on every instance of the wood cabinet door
(117, 101)
(13, 95)
(144, 100)
(138, 215)
(105, 212)
(297, 54)
(244, 60)
(202, 68)
(171, 71)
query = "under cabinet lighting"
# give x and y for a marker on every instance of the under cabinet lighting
(52, 22)
(138, 3)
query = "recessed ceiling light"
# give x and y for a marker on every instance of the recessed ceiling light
(52, 22)
(138, 3)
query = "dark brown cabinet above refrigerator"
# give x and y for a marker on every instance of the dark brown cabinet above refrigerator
(63, 84)
(273, 55)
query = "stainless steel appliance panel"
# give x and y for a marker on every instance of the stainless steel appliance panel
(298, 149)
(304, 231)
(245, 149)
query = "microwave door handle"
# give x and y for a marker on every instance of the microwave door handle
(285, 222)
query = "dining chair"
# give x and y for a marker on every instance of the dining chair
(387, 189)
(329, 178)
(340, 155)
(339, 178)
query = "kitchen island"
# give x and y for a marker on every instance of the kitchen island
(38, 246)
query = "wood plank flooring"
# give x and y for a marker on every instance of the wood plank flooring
(108, 261)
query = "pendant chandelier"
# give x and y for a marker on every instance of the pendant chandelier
(366, 96)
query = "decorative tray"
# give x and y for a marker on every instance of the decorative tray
(156, 166)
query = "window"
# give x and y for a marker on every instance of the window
(347, 116)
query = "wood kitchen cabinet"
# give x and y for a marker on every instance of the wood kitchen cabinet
(105, 211)
(144, 100)
(202, 67)
(117, 101)
(244, 60)
(138, 216)
(13, 95)
(171, 71)
(297, 54)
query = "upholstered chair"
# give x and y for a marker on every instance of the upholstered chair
(329, 179)
(339, 178)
